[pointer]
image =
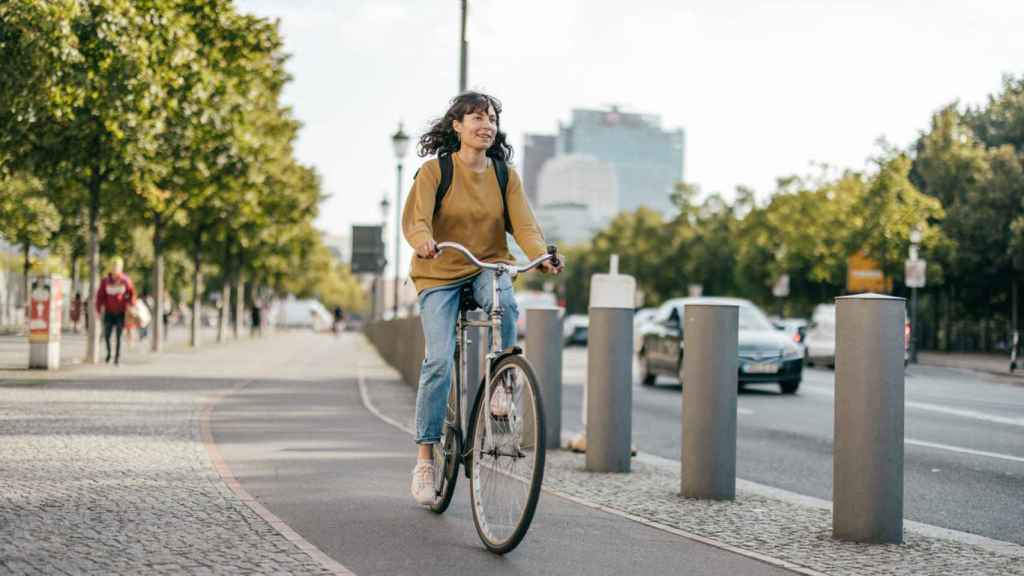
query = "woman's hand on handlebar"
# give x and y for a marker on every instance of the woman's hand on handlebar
(553, 266)
(427, 249)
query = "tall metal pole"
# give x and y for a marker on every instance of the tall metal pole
(913, 325)
(463, 51)
(398, 234)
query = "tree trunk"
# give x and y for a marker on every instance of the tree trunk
(225, 292)
(1014, 308)
(224, 312)
(76, 281)
(26, 267)
(239, 295)
(92, 349)
(197, 290)
(156, 343)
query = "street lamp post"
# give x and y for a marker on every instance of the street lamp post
(400, 141)
(378, 277)
(915, 240)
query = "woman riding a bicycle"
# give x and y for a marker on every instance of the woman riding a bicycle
(473, 212)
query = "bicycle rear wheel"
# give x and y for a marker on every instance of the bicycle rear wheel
(507, 468)
(447, 453)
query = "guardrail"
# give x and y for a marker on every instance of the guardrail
(400, 342)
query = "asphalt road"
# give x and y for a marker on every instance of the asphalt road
(339, 476)
(964, 441)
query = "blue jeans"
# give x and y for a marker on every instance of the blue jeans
(439, 311)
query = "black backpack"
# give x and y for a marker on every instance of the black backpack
(448, 168)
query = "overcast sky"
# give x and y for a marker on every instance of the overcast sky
(763, 88)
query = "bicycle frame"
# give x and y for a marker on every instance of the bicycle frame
(493, 323)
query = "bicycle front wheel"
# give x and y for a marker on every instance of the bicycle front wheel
(447, 453)
(507, 466)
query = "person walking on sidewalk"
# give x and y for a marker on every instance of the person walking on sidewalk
(115, 295)
(476, 213)
(76, 311)
(339, 319)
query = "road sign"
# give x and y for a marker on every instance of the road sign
(915, 273)
(781, 287)
(367, 250)
(865, 275)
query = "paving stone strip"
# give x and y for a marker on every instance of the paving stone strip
(107, 474)
(789, 532)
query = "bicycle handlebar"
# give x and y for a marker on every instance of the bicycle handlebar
(552, 255)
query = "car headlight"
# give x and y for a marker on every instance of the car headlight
(791, 353)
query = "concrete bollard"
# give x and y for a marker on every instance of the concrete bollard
(610, 372)
(710, 372)
(544, 350)
(867, 461)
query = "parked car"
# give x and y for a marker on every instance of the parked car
(575, 328)
(304, 313)
(641, 318)
(820, 340)
(794, 328)
(531, 299)
(766, 355)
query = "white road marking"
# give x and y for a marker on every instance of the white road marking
(938, 408)
(962, 450)
(967, 413)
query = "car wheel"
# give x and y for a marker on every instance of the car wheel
(807, 358)
(647, 378)
(789, 386)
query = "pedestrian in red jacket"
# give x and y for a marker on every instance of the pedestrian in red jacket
(115, 295)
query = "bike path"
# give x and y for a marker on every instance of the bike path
(339, 476)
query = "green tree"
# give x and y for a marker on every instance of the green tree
(981, 191)
(890, 208)
(27, 218)
(83, 99)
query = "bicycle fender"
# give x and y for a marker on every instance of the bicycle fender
(513, 351)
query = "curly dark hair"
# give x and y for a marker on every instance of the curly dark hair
(441, 138)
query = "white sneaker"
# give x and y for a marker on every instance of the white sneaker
(500, 400)
(423, 482)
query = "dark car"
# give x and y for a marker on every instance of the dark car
(766, 355)
(575, 328)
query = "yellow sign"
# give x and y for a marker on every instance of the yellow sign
(865, 275)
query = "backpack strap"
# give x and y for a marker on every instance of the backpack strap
(448, 168)
(501, 171)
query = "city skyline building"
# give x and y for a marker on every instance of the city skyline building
(648, 159)
(537, 150)
(566, 224)
(577, 195)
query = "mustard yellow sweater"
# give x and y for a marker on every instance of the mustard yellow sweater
(472, 215)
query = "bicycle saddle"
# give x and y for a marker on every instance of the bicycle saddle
(467, 303)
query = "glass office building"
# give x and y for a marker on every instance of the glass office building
(648, 159)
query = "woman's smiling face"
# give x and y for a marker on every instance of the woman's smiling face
(478, 129)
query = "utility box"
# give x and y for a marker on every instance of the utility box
(45, 306)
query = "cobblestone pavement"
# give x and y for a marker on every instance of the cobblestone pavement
(776, 527)
(107, 474)
(14, 348)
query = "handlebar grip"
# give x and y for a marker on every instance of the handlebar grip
(553, 251)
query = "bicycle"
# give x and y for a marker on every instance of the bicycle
(505, 458)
